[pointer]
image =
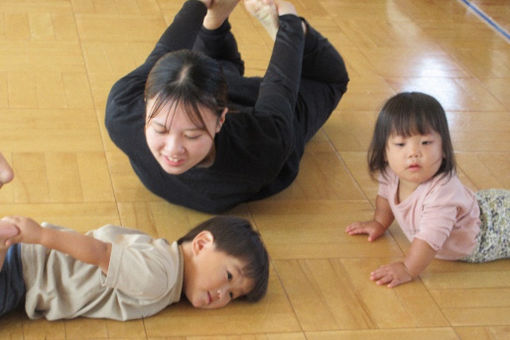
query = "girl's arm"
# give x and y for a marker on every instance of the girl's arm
(419, 256)
(81, 247)
(383, 217)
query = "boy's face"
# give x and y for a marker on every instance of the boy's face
(215, 278)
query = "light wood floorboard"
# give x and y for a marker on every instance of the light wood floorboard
(58, 60)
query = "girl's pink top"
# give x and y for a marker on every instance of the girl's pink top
(442, 212)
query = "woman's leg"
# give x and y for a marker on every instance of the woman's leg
(324, 80)
(493, 241)
(266, 13)
(216, 40)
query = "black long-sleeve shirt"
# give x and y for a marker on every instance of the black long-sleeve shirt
(258, 149)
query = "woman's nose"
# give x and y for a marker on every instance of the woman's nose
(174, 145)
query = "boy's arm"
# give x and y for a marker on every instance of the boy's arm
(81, 247)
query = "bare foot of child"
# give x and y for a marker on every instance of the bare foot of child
(218, 13)
(266, 13)
(6, 173)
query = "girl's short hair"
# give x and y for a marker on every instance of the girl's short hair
(236, 237)
(406, 114)
(188, 79)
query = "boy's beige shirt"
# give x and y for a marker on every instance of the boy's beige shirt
(144, 276)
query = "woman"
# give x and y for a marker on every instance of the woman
(200, 134)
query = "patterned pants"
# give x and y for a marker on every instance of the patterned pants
(493, 241)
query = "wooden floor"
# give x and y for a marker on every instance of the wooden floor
(58, 60)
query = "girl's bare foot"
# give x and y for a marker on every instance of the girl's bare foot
(266, 13)
(218, 12)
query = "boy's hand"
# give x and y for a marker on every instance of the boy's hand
(372, 228)
(29, 230)
(7, 231)
(392, 275)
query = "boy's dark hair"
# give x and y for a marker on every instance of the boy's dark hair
(190, 79)
(405, 114)
(236, 237)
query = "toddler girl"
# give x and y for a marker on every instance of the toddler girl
(411, 150)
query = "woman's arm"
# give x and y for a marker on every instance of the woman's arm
(81, 247)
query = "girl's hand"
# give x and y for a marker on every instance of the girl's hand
(372, 228)
(29, 230)
(392, 275)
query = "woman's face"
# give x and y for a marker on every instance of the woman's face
(175, 141)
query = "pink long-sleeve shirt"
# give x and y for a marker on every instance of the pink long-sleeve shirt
(442, 212)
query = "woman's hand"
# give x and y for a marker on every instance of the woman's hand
(372, 228)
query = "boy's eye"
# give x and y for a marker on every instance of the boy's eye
(231, 295)
(229, 276)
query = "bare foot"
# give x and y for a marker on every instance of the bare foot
(6, 173)
(266, 13)
(218, 12)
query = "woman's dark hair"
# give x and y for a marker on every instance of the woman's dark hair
(405, 114)
(190, 79)
(236, 237)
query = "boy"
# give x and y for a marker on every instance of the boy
(123, 274)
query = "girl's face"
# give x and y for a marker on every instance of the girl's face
(414, 159)
(175, 141)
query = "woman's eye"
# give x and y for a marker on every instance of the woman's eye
(231, 295)
(427, 142)
(192, 136)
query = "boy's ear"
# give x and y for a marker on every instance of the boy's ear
(203, 240)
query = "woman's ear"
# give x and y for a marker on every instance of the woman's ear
(221, 119)
(203, 240)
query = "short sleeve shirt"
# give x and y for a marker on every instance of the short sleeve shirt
(144, 276)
